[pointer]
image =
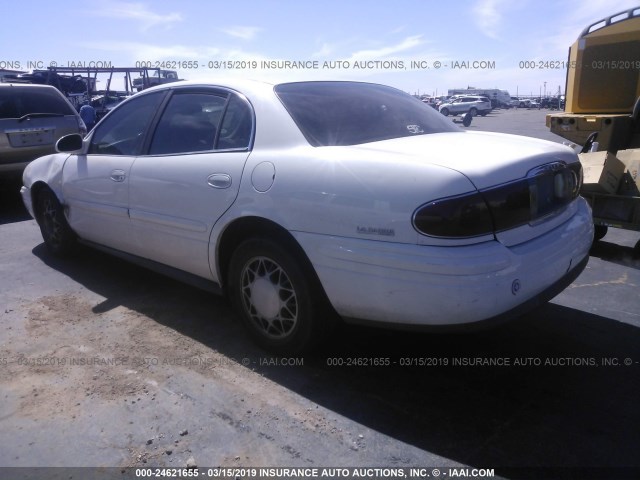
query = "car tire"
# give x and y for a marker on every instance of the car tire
(484, 114)
(56, 232)
(445, 112)
(278, 297)
(599, 231)
(473, 111)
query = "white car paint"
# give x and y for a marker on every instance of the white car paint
(349, 208)
(443, 285)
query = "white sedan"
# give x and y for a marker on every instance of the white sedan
(306, 202)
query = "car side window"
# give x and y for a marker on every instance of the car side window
(122, 132)
(189, 124)
(237, 125)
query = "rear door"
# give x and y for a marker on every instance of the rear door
(189, 176)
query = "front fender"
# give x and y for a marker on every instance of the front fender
(47, 170)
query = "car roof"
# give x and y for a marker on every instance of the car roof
(27, 85)
(244, 85)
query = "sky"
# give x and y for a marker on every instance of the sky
(514, 45)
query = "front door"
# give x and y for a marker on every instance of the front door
(96, 183)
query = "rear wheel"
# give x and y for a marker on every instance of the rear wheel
(57, 235)
(473, 111)
(279, 300)
(599, 232)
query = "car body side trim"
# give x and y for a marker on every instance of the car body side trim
(422, 259)
(98, 207)
(176, 274)
(167, 221)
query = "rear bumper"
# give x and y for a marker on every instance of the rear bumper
(529, 305)
(419, 286)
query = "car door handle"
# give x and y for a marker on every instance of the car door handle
(219, 180)
(118, 175)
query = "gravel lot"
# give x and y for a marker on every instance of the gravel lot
(105, 364)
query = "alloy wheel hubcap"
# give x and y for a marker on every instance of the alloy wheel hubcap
(269, 297)
(50, 220)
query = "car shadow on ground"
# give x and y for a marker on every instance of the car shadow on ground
(619, 254)
(549, 389)
(11, 207)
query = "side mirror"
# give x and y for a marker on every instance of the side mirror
(69, 143)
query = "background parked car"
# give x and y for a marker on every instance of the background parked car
(552, 102)
(430, 101)
(475, 105)
(32, 119)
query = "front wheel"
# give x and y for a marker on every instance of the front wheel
(56, 232)
(278, 298)
(445, 112)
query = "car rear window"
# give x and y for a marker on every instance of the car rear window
(16, 102)
(350, 113)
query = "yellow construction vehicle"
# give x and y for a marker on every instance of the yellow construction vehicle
(603, 85)
(603, 103)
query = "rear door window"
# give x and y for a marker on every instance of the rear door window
(203, 121)
(237, 125)
(188, 124)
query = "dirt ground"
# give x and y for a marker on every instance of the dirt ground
(135, 377)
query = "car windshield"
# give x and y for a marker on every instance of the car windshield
(350, 113)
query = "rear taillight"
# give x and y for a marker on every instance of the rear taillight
(576, 168)
(544, 191)
(461, 216)
(510, 204)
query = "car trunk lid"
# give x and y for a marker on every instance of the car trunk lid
(488, 160)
